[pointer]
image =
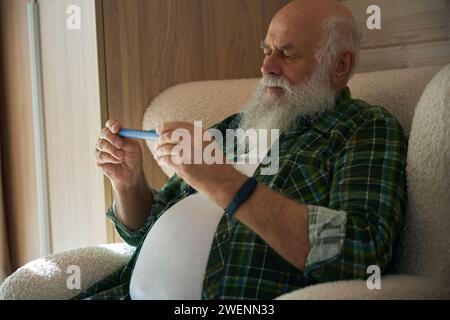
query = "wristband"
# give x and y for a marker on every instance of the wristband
(243, 194)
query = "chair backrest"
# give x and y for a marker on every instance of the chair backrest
(425, 241)
(398, 91)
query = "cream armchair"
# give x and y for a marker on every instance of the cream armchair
(418, 97)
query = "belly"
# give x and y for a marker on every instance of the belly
(172, 261)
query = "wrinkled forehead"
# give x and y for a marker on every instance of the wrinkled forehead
(297, 29)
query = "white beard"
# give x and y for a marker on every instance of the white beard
(269, 111)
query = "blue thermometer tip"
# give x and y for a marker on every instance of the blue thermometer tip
(138, 134)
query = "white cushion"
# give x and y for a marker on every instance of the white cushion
(46, 278)
(426, 239)
(393, 287)
(396, 90)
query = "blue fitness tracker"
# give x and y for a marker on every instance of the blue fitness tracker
(243, 194)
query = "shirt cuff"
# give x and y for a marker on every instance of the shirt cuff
(326, 235)
(120, 227)
(125, 233)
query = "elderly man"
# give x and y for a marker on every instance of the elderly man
(335, 205)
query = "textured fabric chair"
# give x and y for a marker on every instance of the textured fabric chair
(418, 97)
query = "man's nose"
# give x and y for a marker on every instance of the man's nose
(271, 66)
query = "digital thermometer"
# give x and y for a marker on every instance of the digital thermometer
(138, 134)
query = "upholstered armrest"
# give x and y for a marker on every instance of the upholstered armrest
(47, 278)
(393, 287)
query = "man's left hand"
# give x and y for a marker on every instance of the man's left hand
(219, 181)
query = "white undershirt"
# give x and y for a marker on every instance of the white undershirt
(173, 258)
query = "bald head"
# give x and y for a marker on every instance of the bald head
(305, 18)
(318, 32)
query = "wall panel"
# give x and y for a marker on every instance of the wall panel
(73, 116)
(16, 126)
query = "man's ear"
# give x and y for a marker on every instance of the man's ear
(343, 68)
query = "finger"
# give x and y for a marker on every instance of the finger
(170, 126)
(106, 147)
(112, 138)
(103, 158)
(164, 138)
(166, 161)
(176, 155)
(179, 135)
(113, 125)
(168, 137)
(164, 150)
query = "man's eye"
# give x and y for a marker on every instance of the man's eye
(267, 52)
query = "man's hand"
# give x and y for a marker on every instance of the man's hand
(120, 159)
(219, 181)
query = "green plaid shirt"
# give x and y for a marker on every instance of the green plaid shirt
(347, 166)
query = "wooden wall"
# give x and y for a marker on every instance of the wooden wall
(413, 33)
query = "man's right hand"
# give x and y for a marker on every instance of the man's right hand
(121, 161)
(119, 158)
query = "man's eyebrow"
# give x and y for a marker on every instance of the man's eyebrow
(286, 46)
(264, 45)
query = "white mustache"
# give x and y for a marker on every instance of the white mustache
(272, 81)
